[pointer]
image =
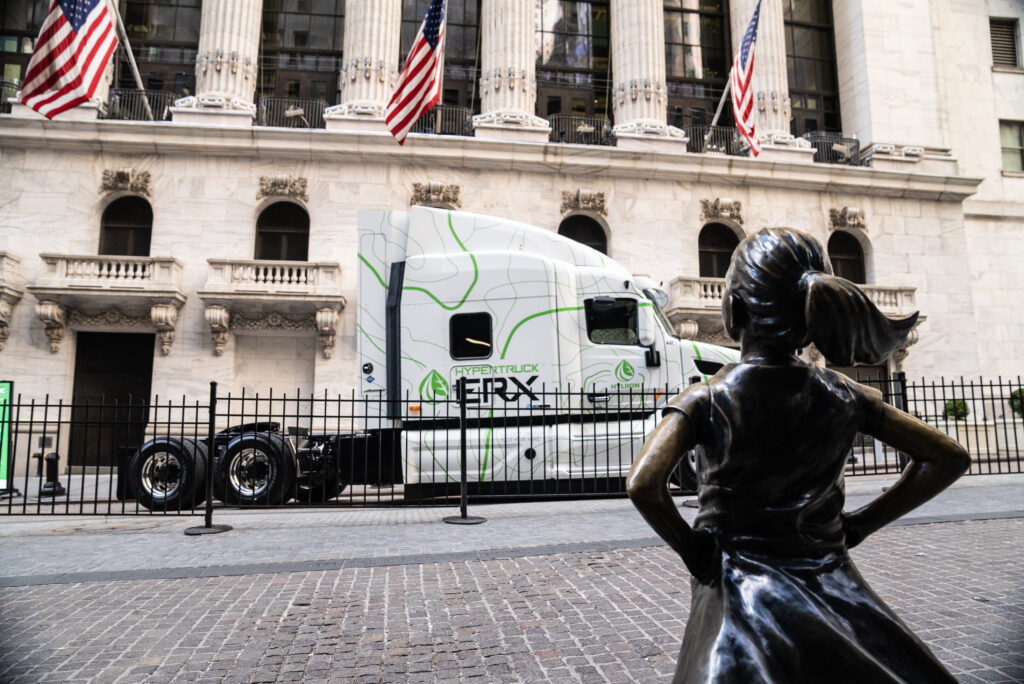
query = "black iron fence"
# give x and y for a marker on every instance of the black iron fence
(445, 120)
(715, 140)
(834, 148)
(130, 104)
(291, 112)
(581, 130)
(168, 457)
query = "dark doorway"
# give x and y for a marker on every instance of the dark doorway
(715, 246)
(113, 372)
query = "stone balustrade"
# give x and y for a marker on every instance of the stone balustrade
(287, 278)
(109, 272)
(892, 300)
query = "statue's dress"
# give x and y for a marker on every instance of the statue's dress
(786, 603)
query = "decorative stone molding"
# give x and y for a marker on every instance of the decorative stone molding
(272, 321)
(283, 186)
(326, 324)
(436, 194)
(651, 128)
(165, 318)
(512, 118)
(115, 318)
(493, 80)
(219, 60)
(584, 200)
(219, 320)
(847, 217)
(126, 180)
(721, 208)
(53, 317)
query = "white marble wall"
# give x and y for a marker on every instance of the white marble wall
(205, 206)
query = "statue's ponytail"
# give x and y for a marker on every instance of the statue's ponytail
(845, 325)
(791, 297)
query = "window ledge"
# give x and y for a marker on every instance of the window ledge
(1013, 174)
(1007, 70)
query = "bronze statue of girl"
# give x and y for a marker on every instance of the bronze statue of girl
(776, 597)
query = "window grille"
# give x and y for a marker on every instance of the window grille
(1004, 42)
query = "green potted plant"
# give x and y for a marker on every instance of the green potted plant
(956, 409)
(1017, 402)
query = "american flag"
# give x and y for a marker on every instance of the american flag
(419, 84)
(739, 80)
(71, 55)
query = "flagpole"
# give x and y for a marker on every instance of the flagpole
(718, 113)
(131, 61)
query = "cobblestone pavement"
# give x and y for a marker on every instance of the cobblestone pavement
(558, 591)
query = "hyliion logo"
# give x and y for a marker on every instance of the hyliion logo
(434, 387)
(624, 372)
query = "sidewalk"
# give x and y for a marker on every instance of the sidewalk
(565, 591)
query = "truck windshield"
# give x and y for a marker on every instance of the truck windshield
(658, 298)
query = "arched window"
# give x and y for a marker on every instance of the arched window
(585, 230)
(847, 257)
(126, 227)
(715, 246)
(282, 233)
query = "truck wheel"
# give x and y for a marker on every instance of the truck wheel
(684, 475)
(167, 474)
(313, 492)
(256, 470)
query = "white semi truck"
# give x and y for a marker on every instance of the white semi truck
(564, 358)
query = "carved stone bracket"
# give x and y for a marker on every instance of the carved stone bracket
(326, 324)
(437, 194)
(687, 329)
(53, 317)
(283, 186)
(165, 318)
(5, 321)
(722, 208)
(847, 217)
(219, 320)
(585, 200)
(900, 355)
(126, 180)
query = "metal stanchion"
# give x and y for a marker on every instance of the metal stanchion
(463, 518)
(211, 455)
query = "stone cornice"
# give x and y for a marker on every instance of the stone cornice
(132, 137)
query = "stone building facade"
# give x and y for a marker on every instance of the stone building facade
(221, 294)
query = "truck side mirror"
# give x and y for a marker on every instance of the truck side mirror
(646, 337)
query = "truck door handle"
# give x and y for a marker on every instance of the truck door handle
(597, 398)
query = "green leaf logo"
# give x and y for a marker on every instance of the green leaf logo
(434, 387)
(624, 372)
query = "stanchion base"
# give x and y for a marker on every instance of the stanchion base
(215, 529)
(468, 520)
(691, 503)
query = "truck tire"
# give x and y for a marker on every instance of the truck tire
(256, 469)
(684, 475)
(167, 474)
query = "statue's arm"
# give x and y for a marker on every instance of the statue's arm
(647, 484)
(936, 461)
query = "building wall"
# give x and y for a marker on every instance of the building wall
(204, 198)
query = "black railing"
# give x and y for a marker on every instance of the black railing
(129, 104)
(445, 120)
(273, 450)
(290, 112)
(576, 129)
(715, 140)
(7, 91)
(833, 148)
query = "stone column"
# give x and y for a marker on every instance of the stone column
(229, 36)
(508, 73)
(638, 63)
(373, 30)
(770, 81)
